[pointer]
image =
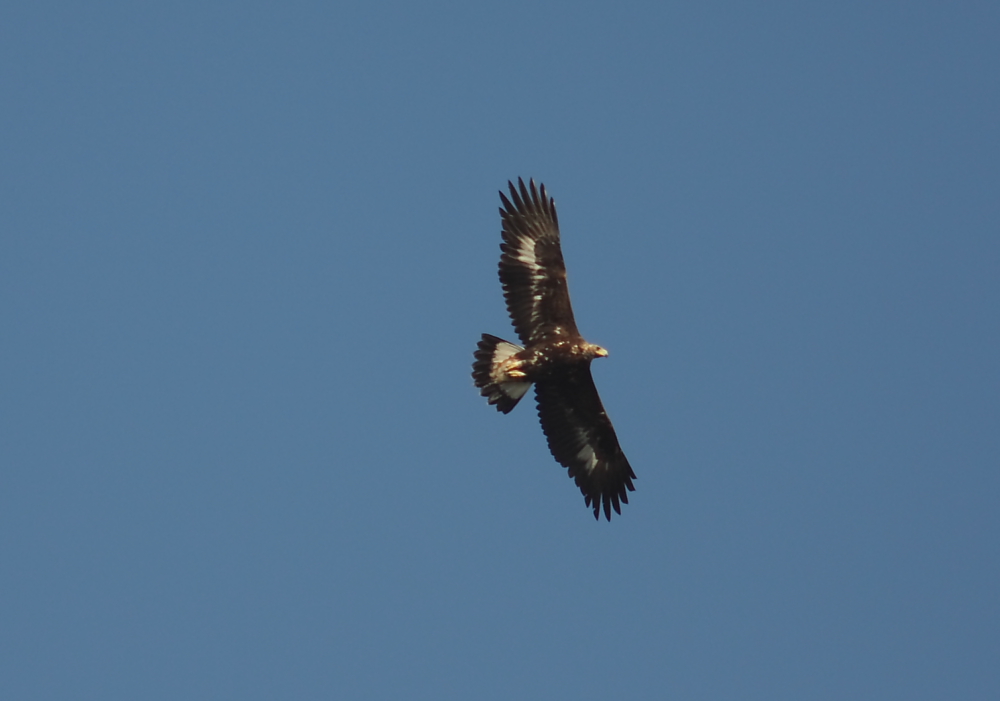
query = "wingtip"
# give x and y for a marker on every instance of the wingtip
(528, 194)
(533, 195)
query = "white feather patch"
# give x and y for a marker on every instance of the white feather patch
(503, 351)
(588, 457)
(526, 253)
(514, 390)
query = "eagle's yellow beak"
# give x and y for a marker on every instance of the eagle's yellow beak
(601, 352)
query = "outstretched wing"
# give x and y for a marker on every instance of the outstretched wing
(583, 440)
(532, 271)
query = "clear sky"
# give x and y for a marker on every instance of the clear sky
(247, 249)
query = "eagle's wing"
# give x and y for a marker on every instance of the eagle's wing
(582, 439)
(532, 271)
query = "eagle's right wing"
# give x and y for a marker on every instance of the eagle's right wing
(532, 271)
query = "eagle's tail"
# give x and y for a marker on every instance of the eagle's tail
(490, 378)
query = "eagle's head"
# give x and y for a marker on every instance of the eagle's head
(596, 351)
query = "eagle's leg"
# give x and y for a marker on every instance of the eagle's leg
(512, 368)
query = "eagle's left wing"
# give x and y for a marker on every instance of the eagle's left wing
(532, 271)
(583, 440)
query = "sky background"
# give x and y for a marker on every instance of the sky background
(246, 252)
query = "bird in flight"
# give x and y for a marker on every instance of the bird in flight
(554, 358)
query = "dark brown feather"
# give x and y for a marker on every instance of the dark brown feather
(575, 423)
(532, 271)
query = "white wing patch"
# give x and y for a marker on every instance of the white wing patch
(587, 455)
(526, 254)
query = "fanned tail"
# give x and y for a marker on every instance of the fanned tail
(490, 378)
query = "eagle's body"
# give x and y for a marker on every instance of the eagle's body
(555, 357)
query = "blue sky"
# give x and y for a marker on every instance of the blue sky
(246, 251)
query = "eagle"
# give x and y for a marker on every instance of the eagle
(554, 356)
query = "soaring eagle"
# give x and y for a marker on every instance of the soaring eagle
(554, 358)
